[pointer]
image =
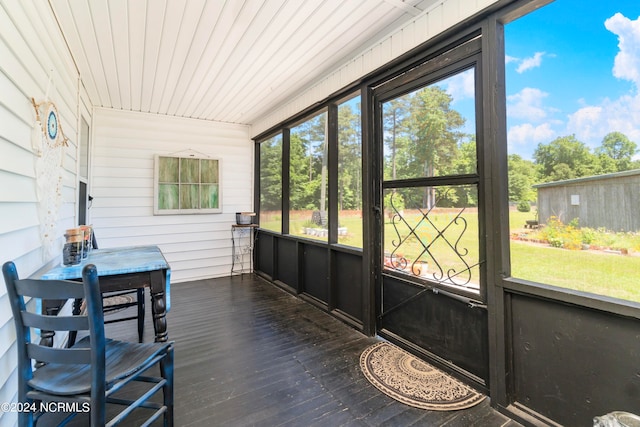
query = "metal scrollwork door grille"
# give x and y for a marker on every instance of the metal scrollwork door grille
(436, 244)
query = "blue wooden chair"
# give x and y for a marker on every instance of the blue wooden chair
(91, 371)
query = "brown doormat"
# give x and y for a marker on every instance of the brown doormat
(414, 382)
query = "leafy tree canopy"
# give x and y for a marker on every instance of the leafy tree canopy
(619, 148)
(523, 174)
(567, 158)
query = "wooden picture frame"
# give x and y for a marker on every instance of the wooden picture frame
(187, 185)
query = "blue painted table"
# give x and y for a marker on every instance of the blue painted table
(124, 269)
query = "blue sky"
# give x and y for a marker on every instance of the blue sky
(573, 67)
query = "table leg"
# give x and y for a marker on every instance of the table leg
(159, 304)
(233, 250)
(46, 337)
(77, 305)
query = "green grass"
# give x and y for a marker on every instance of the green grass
(353, 237)
(596, 272)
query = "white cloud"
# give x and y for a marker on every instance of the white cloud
(462, 85)
(591, 123)
(586, 123)
(528, 134)
(508, 59)
(591, 120)
(531, 62)
(527, 104)
(623, 115)
(627, 62)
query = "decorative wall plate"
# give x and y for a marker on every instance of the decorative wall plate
(48, 121)
(52, 123)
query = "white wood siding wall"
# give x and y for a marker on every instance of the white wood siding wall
(121, 182)
(31, 50)
(428, 24)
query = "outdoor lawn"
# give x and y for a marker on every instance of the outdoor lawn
(611, 267)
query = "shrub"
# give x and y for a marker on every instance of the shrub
(571, 236)
(571, 239)
(556, 242)
(524, 206)
(562, 236)
(552, 230)
(588, 235)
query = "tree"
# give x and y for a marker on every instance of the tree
(298, 172)
(395, 125)
(464, 162)
(565, 158)
(617, 146)
(434, 125)
(466, 159)
(421, 138)
(349, 158)
(307, 160)
(522, 176)
(271, 174)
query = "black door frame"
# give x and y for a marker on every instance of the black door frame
(465, 54)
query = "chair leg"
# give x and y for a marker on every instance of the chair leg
(140, 295)
(166, 369)
(25, 418)
(98, 409)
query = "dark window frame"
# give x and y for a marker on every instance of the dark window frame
(489, 24)
(258, 186)
(331, 108)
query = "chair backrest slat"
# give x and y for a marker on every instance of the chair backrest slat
(55, 323)
(65, 356)
(49, 289)
(93, 321)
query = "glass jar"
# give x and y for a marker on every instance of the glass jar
(73, 249)
(87, 232)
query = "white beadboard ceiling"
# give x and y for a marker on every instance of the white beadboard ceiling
(228, 61)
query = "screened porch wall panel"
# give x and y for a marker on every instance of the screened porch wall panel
(264, 255)
(287, 262)
(566, 356)
(315, 271)
(303, 267)
(347, 283)
(125, 144)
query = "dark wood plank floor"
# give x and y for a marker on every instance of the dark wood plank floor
(249, 354)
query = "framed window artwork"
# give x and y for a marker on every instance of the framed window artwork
(186, 185)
